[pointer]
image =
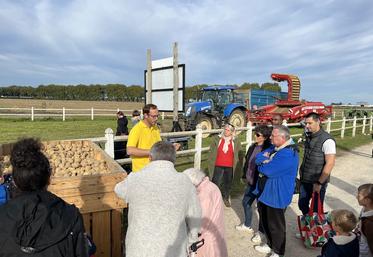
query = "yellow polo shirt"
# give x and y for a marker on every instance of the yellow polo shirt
(143, 137)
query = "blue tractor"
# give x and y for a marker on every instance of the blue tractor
(219, 104)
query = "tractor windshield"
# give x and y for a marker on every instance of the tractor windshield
(221, 97)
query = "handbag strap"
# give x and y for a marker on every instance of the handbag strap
(320, 207)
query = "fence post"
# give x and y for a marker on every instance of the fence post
(354, 127)
(162, 115)
(333, 115)
(117, 110)
(109, 144)
(343, 127)
(63, 114)
(32, 113)
(198, 148)
(92, 114)
(371, 124)
(328, 125)
(249, 135)
(364, 124)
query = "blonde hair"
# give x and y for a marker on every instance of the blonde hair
(344, 219)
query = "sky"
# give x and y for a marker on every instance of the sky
(328, 44)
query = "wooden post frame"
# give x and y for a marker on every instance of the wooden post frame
(343, 127)
(198, 147)
(354, 127)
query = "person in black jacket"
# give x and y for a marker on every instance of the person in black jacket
(122, 130)
(250, 176)
(36, 222)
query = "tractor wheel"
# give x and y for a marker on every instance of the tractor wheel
(237, 119)
(206, 124)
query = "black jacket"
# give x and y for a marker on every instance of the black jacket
(332, 249)
(249, 152)
(41, 224)
(313, 158)
(122, 128)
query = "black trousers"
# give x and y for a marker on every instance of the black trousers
(225, 174)
(272, 220)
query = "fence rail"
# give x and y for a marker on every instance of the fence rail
(109, 137)
(63, 112)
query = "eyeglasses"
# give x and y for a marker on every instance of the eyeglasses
(258, 135)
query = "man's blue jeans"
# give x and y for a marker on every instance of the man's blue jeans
(305, 195)
(247, 201)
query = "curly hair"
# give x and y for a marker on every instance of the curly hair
(31, 168)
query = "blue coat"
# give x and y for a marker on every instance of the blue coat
(281, 172)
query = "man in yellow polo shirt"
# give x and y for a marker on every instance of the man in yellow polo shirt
(143, 136)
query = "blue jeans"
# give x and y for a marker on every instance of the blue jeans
(247, 201)
(305, 195)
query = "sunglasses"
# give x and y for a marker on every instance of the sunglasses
(258, 135)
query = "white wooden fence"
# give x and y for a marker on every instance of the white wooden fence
(109, 137)
(63, 112)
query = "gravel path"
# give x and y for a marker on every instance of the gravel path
(352, 169)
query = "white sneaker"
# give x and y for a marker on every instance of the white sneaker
(298, 235)
(263, 248)
(274, 255)
(243, 227)
(257, 238)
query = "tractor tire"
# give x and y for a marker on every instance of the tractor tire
(206, 124)
(237, 119)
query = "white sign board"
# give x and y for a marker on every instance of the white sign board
(163, 84)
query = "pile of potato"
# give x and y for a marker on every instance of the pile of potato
(5, 166)
(74, 158)
(69, 158)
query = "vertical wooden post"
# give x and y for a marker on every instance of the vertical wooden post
(32, 113)
(162, 115)
(249, 135)
(63, 114)
(176, 82)
(198, 147)
(343, 127)
(364, 124)
(149, 76)
(354, 127)
(92, 114)
(329, 124)
(371, 124)
(117, 110)
(333, 115)
(109, 144)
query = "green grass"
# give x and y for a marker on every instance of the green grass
(51, 129)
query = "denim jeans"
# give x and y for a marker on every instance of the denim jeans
(305, 195)
(247, 201)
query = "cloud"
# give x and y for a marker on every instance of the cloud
(328, 44)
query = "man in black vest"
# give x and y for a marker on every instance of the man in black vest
(318, 162)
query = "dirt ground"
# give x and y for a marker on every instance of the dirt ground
(28, 103)
(352, 169)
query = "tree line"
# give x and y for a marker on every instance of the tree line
(108, 92)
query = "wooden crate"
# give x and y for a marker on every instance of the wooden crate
(94, 196)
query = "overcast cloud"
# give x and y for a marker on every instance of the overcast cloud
(328, 44)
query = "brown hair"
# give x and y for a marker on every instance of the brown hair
(367, 189)
(148, 107)
(344, 219)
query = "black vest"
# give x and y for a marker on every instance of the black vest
(314, 158)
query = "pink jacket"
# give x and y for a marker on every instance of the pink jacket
(212, 220)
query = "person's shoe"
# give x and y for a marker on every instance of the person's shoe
(275, 255)
(227, 203)
(257, 238)
(263, 248)
(298, 235)
(243, 227)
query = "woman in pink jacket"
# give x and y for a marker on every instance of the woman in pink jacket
(212, 230)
